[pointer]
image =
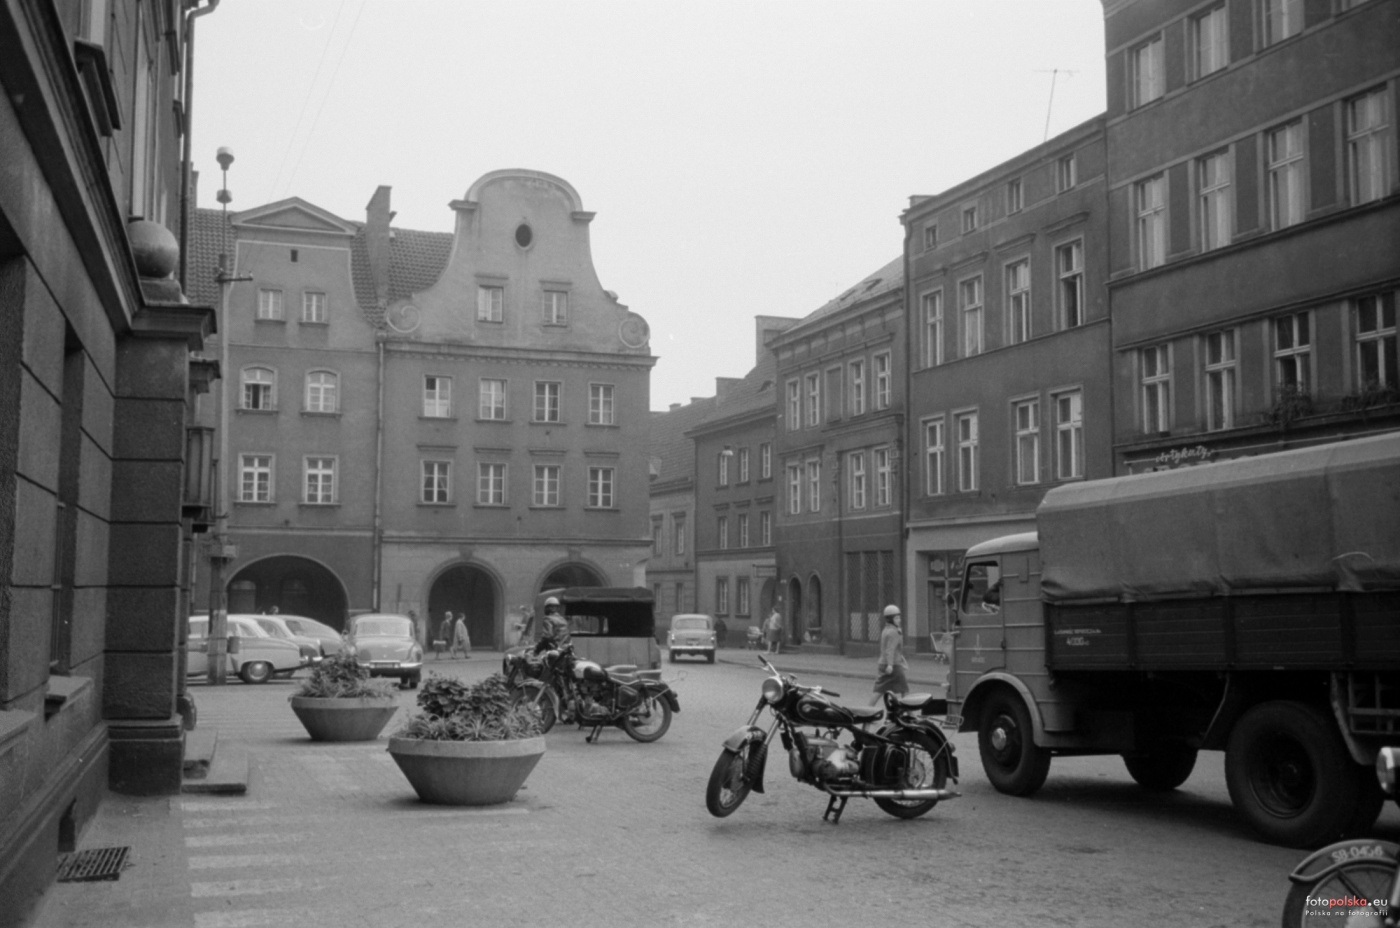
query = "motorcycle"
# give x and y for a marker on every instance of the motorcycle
(1357, 880)
(566, 688)
(897, 755)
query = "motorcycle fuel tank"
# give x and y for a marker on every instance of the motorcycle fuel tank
(815, 710)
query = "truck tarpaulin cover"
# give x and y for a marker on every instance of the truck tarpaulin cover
(1326, 516)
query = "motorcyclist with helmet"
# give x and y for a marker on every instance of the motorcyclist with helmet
(554, 627)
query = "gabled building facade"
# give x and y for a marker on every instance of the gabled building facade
(671, 568)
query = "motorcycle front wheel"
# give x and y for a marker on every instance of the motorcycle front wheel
(538, 697)
(727, 788)
(1361, 880)
(925, 768)
(649, 721)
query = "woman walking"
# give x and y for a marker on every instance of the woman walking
(891, 673)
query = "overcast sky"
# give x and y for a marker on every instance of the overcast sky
(743, 158)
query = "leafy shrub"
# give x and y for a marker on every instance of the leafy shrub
(341, 677)
(451, 710)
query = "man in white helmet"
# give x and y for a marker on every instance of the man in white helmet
(891, 673)
(554, 626)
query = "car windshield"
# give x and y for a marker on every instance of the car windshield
(272, 628)
(383, 625)
(691, 625)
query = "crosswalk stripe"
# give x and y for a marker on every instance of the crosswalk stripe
(226, 888)
(234, 840)
(216, 861)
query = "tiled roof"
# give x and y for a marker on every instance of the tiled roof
(888, 278)
(753, 392)
(666, 442)
(207, 241)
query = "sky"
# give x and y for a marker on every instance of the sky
(743, 158)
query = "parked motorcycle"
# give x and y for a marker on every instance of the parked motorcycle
(897, 755)
(564, 687)
(1357, 881)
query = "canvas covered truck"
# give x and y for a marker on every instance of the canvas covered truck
(1250, 606)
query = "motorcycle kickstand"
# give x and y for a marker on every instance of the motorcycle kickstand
(593, 737)
(836, 805)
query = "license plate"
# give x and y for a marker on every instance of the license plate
(384, 663)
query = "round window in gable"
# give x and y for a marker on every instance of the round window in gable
(524, 235)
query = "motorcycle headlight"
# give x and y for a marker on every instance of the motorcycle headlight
(772, 690)
(1386, 761)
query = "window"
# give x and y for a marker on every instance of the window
(722, 596)
(743, 529)
(320, 481)
(601, 408)
(722, 531)
(1210, 42)
(883, 387)
(931, 236)
(794, 482)
(1018, 299)
(814, 486)
(1217, 216)
(856, 492)
(969, 219)
(741, 596)
(933, 457)
(1285, 181)
(1151, 202)
(1027, 418)
(547, 485)
(722, 463)
(437, 397)
(680, 597)
(856, 373)
(1069, 265)
(1145, 65)
(884, 472)
(814, 399)
(933, 328)
(490, 304)
(313, 307)
(270, 305)
(1369, 144)
(967, 452)
(1293, 352)
(1156, 384)
(765, 527)
(970, 301)
(322, 392)
(743, 465)
(1375, 342)
(765, 461)
(794, 406)
(600, 487)
(546, 401)
(490, 484)
(1066, 173)
(255, 478)
(1014, 197)
(678, 523)
(259, 388)
(1282, 18)
(1069, 435)
(1220, 380)
(436, 482)
(556, 307)
(491, 399)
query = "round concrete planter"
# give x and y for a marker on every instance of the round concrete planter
(337, 719)
(466, 773)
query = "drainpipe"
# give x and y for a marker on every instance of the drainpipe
(376, 542)
(907, 429)
(186, 157)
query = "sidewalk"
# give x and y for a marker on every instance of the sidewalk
(924, 671)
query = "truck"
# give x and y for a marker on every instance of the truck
(1250, 606)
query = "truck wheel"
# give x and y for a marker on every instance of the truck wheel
(1010, 757)
(1290, 776)
(1163, 767)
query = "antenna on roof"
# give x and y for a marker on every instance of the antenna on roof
(1054, 75)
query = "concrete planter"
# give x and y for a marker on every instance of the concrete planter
(336, 719)
(466, 773)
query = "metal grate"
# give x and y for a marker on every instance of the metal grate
(99, 863)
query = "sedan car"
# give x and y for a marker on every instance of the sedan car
(331, 640)
(386, 646)
(253, 654)
(278, 627)
(692, 634)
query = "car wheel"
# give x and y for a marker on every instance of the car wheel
(255, 672)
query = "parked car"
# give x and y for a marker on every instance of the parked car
(386, 646)
(278, 627)
(253, 654)
(331, 640)
(691, 634)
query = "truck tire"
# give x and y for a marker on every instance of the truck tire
(1290, 776)
(1005, 738)
(1163, 767)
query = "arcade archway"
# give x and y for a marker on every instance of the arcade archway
(292, 586)
(472, 592)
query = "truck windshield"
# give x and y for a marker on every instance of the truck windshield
(982, 587)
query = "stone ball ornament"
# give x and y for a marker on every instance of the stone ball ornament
(155, 248)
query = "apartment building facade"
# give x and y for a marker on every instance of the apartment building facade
(671, 568)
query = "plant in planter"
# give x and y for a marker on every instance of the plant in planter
(468, 744)
(340, 702)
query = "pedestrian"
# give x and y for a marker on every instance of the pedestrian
(891, 673)
(460, 638)
(773, 631)
(721, 632)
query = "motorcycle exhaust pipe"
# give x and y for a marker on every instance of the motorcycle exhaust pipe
(909, 794)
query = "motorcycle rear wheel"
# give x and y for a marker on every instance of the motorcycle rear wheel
(927, 769)
(649, 721)
(538, 696)
(727, 788)
(1358, 879)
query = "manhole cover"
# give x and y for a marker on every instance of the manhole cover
(99, 863)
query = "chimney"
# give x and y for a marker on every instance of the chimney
(377, 219)
(765, 328)
(674, 407)
(724, 384)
